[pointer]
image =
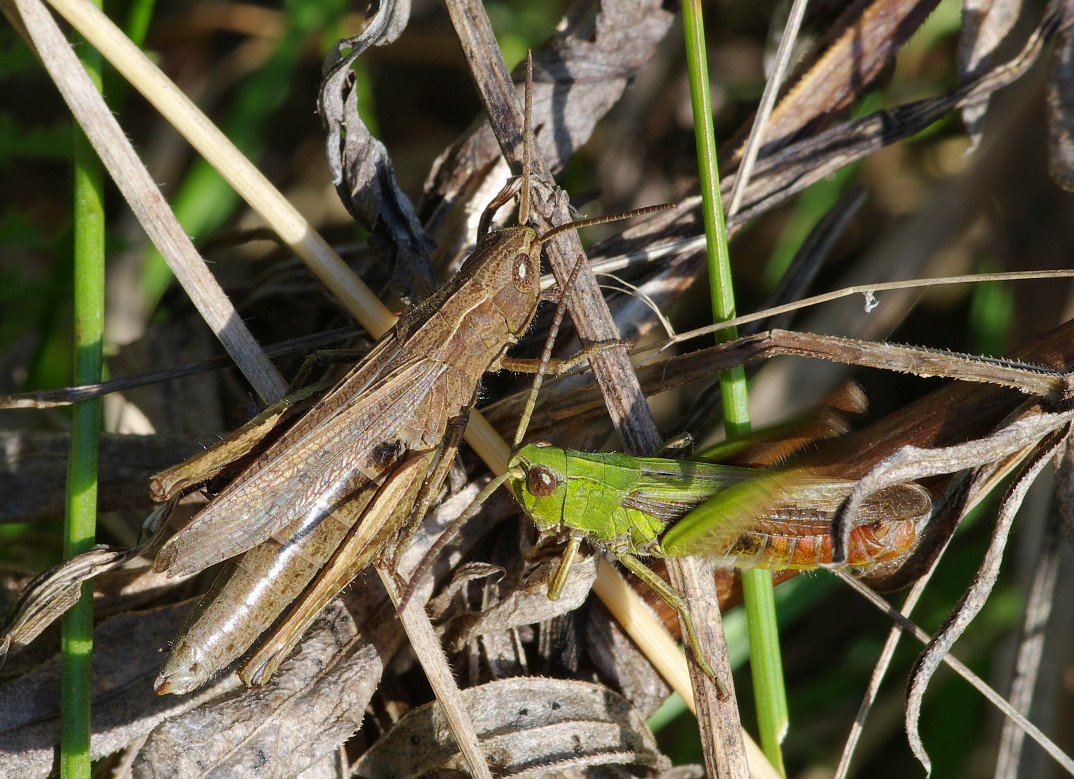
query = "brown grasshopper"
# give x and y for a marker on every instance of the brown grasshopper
(363, 463)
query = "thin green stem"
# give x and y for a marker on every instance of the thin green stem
(81, 497)
(757, 585)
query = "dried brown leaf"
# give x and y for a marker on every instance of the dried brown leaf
(1061, 112)
(527, 603)
(777, 176)
(530, 726)
(860, 46)
(50, 594)
(985, 25)
(579, 74)
(361, 168)
(974, 598)
(1040, 603)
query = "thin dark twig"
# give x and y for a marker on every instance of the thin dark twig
(627, 408)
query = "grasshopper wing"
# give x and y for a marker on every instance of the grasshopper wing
(329, 454)
(786, 505)
(667, 489)
(381, 517)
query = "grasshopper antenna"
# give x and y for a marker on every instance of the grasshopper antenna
(599, 220)
(528, 138)
(450, 532)
(546, 355)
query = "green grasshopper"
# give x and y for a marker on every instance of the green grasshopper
(742, 518)
(634, 507)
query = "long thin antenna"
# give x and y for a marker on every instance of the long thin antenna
(450, 532)
(599, 220)
(546, 355)
(527, 135)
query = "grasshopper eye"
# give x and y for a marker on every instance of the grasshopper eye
(541, 481)
(523, 278)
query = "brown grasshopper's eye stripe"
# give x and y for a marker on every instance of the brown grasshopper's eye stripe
(522, 276)
(541, 481)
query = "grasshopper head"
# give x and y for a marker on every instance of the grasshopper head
(507, 265)
(538, 479)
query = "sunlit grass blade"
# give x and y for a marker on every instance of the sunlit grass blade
(204, 200)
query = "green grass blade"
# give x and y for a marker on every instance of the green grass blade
(81, 497)
(138, 17)
(765, 657)
(766, 663)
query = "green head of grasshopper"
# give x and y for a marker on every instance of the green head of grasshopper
(539, 480)
(586, 494)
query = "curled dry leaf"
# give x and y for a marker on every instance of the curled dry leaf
(529, 726)
(361, 168)
(911, 462)
(985, 24)
(987, 455)
(526, 603)
(49, 595)
(974, 598)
